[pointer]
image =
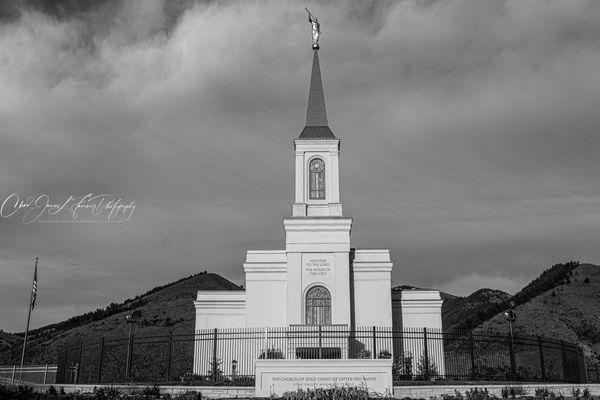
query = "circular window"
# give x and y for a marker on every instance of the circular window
(317, 165)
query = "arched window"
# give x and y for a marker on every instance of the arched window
(317, 179)
(318, 306)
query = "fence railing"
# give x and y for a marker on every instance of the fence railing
(226, 356)
(593, 373)
(14, 374)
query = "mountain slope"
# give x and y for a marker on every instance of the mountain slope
(563, 302)
(165, 308)
(569, 311)
(457, 310)
(550, 278)
(7, 342)
(462, 311)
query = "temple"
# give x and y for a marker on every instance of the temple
(318, 278)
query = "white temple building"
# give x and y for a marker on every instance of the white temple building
(318, 278)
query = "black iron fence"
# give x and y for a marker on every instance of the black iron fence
(226, 356)
(593, 373)
(28, 373)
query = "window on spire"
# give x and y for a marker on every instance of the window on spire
(317, 179)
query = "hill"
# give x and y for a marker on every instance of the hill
(566, 311)
(8, 341)
(563, 303)
(552, 277)
(162, 309)
(461, 311)
(456, 309)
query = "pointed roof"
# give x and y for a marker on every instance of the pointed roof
(316, 115)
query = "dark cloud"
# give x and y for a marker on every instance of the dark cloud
(469, 137)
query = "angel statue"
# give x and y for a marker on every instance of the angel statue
(316, 29)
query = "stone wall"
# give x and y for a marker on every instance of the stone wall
(414, 391)
(427, 391)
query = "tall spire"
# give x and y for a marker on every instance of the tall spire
(316, 115)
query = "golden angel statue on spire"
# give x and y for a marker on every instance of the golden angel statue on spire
(316, 29)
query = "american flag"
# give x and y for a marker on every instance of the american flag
(34, 287)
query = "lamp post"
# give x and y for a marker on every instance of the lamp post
(511, 317)
(130, 319)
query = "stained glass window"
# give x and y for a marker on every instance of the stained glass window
(317, 179)
(318, 306)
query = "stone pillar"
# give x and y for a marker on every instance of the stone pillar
(422, 315)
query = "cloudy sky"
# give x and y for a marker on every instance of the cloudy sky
(469, 128)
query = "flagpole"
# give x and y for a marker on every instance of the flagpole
(27, 329)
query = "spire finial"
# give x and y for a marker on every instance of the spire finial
(316, 29)
(316, 116)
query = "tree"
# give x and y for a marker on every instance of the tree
(426, 369)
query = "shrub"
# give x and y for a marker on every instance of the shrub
(472, 394)
(456, 396)
(586, 394)
(20, 392)
(272, 354)
(189, 377)
(402, 367)
(151, 392)
(337, 393)
(478, 394)
(52, 393)
(191, 395)
(426, 369)
(364, 353)
(214, 369)
(576, 393)
(542, 394)
(546, 394)
(513, 391)
(106, 393)
(385, 354)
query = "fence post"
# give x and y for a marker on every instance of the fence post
(100, 361)
(513, 361)
(45, 373)
(541, 351)
(266, 340)
(12, 378)
(472, 342)
(582, 376)
(65, 364)
(129, 356)
(320, 342)
(564, 360)
(425, 355)
(169, 355)
(374, 342)
(78, 372)
(214, 356)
